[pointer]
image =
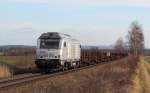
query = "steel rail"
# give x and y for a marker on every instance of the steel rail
(15, 79)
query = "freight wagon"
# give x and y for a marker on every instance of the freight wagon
(93, 56)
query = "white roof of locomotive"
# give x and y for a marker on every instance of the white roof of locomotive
(56, 35)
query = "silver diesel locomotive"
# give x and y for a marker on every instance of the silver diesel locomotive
(57, 51)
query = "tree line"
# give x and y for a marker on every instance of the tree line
(135, 40)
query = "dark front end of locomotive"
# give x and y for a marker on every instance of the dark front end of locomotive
(48, 63)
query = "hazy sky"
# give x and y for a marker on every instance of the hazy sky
(93, 22)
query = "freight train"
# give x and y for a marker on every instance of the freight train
(61, 51)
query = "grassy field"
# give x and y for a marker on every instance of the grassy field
(115, 77)
(147, 58)
(18, 61)
(12, 65)
(128, 75)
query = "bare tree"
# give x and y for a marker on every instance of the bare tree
(119, 46)
(135, 39)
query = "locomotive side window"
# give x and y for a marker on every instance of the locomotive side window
(65, 44)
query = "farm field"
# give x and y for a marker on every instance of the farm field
(147, 58)
(115, 77)
(20, 61)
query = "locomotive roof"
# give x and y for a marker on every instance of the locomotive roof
(55, 35)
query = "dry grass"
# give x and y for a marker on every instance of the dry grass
(114, 77)
(142, 79)
(5, 71)
(17, 65)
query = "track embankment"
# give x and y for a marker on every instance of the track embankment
(114, 77)
(142, 78)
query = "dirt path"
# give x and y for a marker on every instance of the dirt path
(142, 79)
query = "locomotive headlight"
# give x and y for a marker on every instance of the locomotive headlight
(58, 56)
(41, 56)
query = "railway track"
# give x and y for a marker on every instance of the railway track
(18, 80)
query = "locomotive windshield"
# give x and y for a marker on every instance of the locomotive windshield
(49, 44)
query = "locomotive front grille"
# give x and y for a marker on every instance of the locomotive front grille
(43, 54)
(51, 63)
(51, 55)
